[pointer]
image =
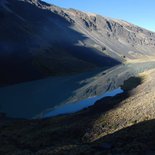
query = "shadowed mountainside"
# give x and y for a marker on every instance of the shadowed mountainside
(36, 42)
(38, 39)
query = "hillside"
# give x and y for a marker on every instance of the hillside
(52, 56)
(36, 43)
(116, 125)
(40, 40)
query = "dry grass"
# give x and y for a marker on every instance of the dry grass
(84, 132)
(139, 107)
(144, 59)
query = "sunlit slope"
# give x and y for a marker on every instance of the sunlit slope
(39, 40)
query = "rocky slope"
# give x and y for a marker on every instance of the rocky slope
(114, 125)
(35, 43)
(38, 39)
(116, 38)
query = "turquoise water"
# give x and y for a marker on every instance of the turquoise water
(77, 106)
(26, 100)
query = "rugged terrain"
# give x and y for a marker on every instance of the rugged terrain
(39, 40)
(26, 100)
(123, 124)
(36, 43)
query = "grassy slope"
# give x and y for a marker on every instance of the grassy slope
(96, 130)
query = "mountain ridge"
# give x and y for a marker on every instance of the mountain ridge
(133, 41)
(53, 38)
(47, 42)
(40, 40)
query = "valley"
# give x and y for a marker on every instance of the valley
(73, 82)
(112, 125)
(42, 95)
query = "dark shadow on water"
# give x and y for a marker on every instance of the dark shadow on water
(81, 121)
(26, 100)
(34, 135)
(79, 105)
(107, 103)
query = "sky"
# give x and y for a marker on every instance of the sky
(138, 12)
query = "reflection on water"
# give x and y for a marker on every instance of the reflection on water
(77, 106)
